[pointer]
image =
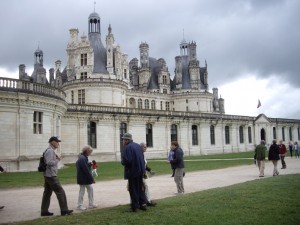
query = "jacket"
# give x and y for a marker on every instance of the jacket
(177, 161)
(282, 149)
(273, 152)
(260, 152)
(84, 175)
(133, 160)
(51, 161)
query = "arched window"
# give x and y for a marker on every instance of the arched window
(274, 133)
(227, 135)
(241, 133)
(173, 132)
(146, 104)
(140, 103)
(194, 135)
(283, 134)
(249, 135)
(290, 133)
(92, 134)
(153, 104)
(149, 135)
(212, 135)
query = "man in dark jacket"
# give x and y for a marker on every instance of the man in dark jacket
(134, 169)
(85, 178)
(178, 163)
(274, 156)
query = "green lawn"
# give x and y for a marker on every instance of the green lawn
(268, 201)
(114, 170)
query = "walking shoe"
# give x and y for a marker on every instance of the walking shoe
(143, 207)
(65, 213)
(46, 214)
(151, 203)
(81, 208)
(92, 206)
(132, 210)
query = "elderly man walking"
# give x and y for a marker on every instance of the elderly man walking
(260, 153)
(134, 169)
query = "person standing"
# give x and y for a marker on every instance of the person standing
(260, 153)
(274, 156)
(85, 178)
(134, 170)
(145, 185)
(170, 157)
(282, 152)
(291, 149)
(178, 163)
(296, 149)
(51, 181)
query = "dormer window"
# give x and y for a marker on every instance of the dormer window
(83, 59)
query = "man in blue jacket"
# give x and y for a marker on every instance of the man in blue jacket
(134, 169)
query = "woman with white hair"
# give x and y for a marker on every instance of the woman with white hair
(85, 178)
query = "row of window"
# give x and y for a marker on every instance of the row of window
(92, 131)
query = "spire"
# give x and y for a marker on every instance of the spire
(94, 6)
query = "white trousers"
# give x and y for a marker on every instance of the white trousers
(90, 192)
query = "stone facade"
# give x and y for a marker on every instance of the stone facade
(99, 96)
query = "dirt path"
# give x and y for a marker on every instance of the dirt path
(24, 204)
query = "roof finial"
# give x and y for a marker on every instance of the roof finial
(183, 33)
(94, 6)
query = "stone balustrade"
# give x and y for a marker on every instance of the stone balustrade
(150, 112)
(8, 84)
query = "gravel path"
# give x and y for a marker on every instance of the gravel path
(24, 204)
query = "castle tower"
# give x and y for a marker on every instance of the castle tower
(100, 58)
(145, 72)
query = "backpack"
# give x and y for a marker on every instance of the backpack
(42, 165)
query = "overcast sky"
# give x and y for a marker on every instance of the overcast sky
(252, 47)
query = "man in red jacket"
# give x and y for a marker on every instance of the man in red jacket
(282, 152)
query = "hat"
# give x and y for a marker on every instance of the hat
(54, 139)
(127, 136)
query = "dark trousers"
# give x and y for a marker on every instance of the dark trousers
(52, 184)
(282, 161)
(136, 192)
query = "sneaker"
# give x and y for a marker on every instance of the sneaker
(81, 208)
(93, 206)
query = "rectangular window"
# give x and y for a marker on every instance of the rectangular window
(168, 106)
(81, 96)
(161, 105)
(149, 135)
(72, 97)
(173, 132)
(212, 135)
(123, 130)
(227, 135)
(83, 59)
(125, 74)
(92, 134)
(153, 104)
(194, 135)
(164, 79)
(283, 134)
(37, 122)
(298, 129)
(83, 75)
(165, 91)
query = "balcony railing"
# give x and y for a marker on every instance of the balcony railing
(8, 84)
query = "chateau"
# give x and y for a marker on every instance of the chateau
(100, 95)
